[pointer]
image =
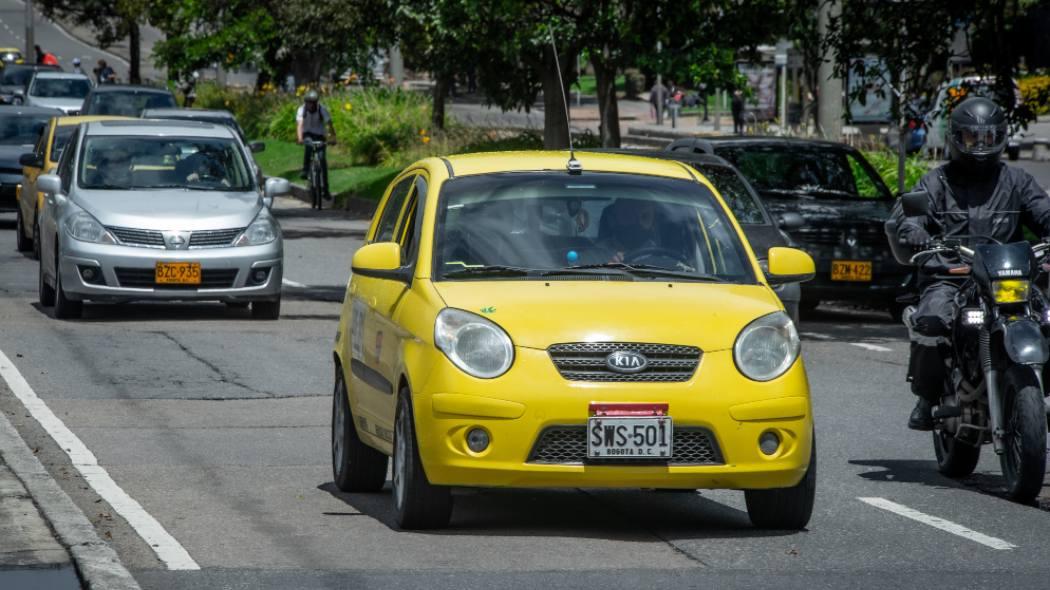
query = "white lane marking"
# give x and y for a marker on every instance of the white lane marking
(815, 335)
(168, 550)
(873, 347)
(939, 523)
(292, 283)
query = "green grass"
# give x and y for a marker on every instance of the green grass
(589, 85)
(284, 158)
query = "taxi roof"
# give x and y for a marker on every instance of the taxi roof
(529, 161)
(78, 119)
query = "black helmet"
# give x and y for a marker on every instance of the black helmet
(311, 96)
(977, 131)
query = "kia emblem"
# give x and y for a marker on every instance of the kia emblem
(625, 361)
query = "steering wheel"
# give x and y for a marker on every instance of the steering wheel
(640, 255)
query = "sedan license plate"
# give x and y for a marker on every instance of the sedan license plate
(178, 273)
(629, 438)
(851, 270)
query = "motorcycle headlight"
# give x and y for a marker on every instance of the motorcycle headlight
(82, 226)
(261, 231)
(474, 344)
(1010, 291)
(767, 347)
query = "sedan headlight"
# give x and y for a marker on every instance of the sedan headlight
(261, 231)
(82, 226)
(1010, 291)
(474, 344)
(767, 347)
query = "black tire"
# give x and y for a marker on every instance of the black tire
(237, 304)
(315, 184)
(1024, 419)
(45, 292)
(785, 508)
(36, 238)
(896, 310)
(417, 503)
(954, 458)
(65, 308)
(356, 467)
(266, 310)
(22, 243)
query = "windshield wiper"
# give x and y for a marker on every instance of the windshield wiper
(646, 270)
(492, 270)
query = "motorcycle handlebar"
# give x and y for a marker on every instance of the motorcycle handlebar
(1039, 250)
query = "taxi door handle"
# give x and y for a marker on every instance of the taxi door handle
(372, 302)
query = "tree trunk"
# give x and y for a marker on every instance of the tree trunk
(437, 115)
(135, 50)
(608, 107)
(555, 115)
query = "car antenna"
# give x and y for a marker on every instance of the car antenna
(574, 166)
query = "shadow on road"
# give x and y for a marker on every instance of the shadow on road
(925, 473)
(599, 514)
(321, 233)
(842, 323)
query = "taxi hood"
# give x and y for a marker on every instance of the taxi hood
(538, 314)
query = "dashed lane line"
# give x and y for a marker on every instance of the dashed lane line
(292, 283)
(816, 335)
(940, 523)
(872, 347)
(167, 548)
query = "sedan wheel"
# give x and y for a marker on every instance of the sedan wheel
(418, 503)
(45, 292)
(36, 238)
(266, 310)
(65, 308)
(22, 243)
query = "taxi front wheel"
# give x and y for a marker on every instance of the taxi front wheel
(418, 503)
(785, 508)
(356, 467)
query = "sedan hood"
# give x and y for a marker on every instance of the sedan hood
(171, 209)
(538, 314)
(64, 104)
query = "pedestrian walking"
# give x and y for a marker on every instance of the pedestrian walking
(737, 107)
(657, 97)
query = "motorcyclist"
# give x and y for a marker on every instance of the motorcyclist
(972, 195)
(312, 119)
(77, 68)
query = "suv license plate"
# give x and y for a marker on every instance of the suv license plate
(629, 438)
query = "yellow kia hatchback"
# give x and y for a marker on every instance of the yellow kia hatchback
(516, 322)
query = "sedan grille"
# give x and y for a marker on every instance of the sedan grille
(145, 278)
(214, 238)
(585, 361)
(138, 237)
(568, 445)
(867, 237)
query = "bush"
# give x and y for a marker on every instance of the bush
(885, 163)
(1035, 91)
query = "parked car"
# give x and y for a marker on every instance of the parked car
(20, 128)
(126, 100)
(42, 160)
(58, 90)
(158, 210)
(15, 77)
(216, 116)
(11, 55)
(763, 229)
(843, 203)
(514, 323)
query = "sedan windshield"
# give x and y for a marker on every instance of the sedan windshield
(128, 104)
(21, 129)
(794, 171)
(554, 225)
(60, 87)
(139, 162)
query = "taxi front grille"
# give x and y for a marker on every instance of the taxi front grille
(145, 278)
(585, 361)
(560, 445)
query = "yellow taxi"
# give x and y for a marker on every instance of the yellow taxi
(533, 320)
(11, 55)
(42, 160)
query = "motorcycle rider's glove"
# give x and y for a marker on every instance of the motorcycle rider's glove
(914, 236)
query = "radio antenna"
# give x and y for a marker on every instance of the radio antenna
(574, 166)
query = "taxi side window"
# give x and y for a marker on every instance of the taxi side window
(65, 165)
(409, 228)
(41, 142)
(392, 212)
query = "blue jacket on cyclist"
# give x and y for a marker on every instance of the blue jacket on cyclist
(312, 120)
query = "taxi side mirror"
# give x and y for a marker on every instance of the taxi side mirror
(31, 160)
(381, 260)
(789, 265)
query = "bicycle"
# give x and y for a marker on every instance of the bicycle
(316, 180)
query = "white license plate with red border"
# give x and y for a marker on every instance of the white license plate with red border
(629, 431)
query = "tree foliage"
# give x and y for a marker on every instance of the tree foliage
(111, 20)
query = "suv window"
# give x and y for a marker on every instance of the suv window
(741, 202)
(392, 211)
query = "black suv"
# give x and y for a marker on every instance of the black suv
(843, 203)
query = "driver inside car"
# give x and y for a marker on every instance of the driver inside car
(631, 226)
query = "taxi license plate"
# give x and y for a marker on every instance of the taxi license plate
(850, 270)
(629, 438)
(178, 273)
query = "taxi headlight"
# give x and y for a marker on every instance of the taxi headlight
(261, 231)
(767, 347)
(82, 226)
(474, 344)
(1011, 291)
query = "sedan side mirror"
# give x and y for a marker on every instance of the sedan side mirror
(789, 265)
(257, 146)
(915, 204)
(31, 160)
(276, 187)
(49, 184)
(790, 220)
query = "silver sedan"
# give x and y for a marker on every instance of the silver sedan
(158, 210)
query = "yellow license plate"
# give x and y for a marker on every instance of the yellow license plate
(178, 273)
(850, 270)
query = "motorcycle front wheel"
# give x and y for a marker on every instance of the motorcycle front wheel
(1024, 415)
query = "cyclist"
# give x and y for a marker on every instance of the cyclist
(312, 119)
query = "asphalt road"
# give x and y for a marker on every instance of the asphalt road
(217, 425)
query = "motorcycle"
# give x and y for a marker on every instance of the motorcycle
(993, 390)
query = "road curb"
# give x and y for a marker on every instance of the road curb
(96, 562)
(364, 208)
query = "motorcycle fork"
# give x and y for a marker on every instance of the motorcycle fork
(995, 402)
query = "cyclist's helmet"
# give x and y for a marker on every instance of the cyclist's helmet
(312, 96)
(977, 132)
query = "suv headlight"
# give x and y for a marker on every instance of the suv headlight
(82, 226)
(261, 231)
(474, 344)
(767, 347)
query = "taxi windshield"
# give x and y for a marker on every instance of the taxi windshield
(555, 225)
(134, 163)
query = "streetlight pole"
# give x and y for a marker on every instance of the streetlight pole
(30, 56)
